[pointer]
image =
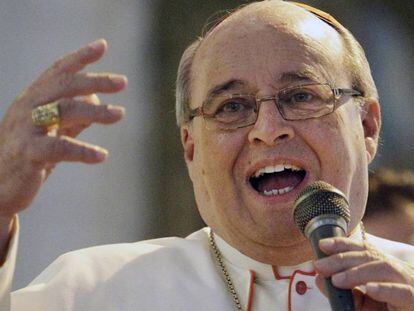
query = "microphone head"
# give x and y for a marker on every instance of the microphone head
(319, 198)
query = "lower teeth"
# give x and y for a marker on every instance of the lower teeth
(275, 192)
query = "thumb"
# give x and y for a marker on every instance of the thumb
(319, 281)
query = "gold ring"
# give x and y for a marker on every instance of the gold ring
(46, 115)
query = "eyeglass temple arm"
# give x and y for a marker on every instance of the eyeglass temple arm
(339, 92)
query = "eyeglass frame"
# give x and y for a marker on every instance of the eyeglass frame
(336, 92)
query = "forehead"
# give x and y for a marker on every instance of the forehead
(263, 43)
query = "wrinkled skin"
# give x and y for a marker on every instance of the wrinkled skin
(28, 153)
(389, 281)
(264, 47)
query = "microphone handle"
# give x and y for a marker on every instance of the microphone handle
(339, 299)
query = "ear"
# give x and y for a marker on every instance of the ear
(187, 142)
(371, 122)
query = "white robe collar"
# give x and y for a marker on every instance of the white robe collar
(265, 271)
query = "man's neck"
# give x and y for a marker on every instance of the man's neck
(276, 257)
(290, 255)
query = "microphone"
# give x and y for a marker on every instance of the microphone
(321, 211)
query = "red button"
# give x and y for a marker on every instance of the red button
(301, 288)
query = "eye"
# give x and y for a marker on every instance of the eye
(231, 107)
(235, 109)
(299, 96)
(302, 96)
(236, 105)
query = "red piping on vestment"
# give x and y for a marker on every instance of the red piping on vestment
(251, 291)
(277, 275)
(292, 277)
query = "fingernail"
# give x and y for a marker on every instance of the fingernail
(326, 243)
(98, 43)
(116, 110)
(120, 80)
(101, 154)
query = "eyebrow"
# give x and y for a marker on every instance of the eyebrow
(224, 87)
(298, 76)
(286, 77)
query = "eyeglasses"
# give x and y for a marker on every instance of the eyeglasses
(309, 101)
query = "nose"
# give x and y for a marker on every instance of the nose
(270, 128)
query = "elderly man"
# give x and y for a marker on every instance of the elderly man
(274, 97)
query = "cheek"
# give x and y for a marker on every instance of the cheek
(215, 156)
(340, 148)
(217, 153)
(351, 133)
(344, 164)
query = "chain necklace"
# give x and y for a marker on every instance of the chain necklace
(227, 278)
(363, 232)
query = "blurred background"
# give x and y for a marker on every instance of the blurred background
(143, 190)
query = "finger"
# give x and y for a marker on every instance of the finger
(63, 148)
(343, 261)
(87, 83)
(61, 70)
(376, 271)
(74, 112)
(77, 60)
(339, 245)
(80, 84)
(396, 295)
(75, 130)
(91, 99)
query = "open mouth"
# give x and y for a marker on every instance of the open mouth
(277, 180)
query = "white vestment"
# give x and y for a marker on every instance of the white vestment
(173, 274)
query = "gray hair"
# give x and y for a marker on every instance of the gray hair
(183, 84)
(355, 61)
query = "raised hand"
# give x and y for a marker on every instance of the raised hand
(29, 152)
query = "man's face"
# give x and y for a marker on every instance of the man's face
(265, 48)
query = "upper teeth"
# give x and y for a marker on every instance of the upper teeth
(276, 169)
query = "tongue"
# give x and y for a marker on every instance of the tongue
(279, 181)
